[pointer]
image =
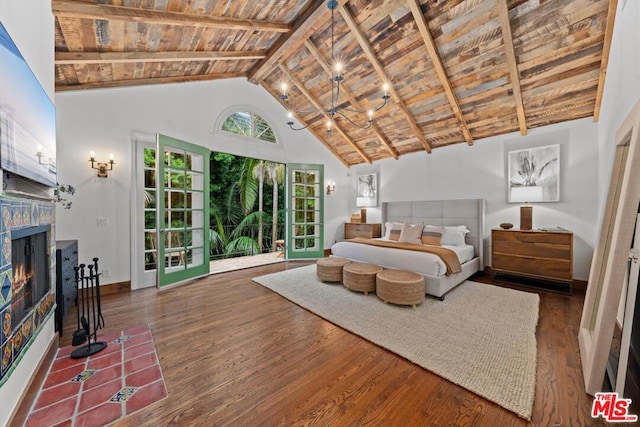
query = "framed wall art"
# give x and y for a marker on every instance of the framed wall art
(367, 190)
(534, 175)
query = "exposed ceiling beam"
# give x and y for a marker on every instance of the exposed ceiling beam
(430, 44)
(352, 99)
(309, 128)
(377, 65)
(507, 37)
(287, 44)
(82, 10)
(606, 49)
(151, 81)
(312, 99)
(70, 58)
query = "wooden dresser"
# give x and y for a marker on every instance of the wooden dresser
(371, 231)
(546, 255)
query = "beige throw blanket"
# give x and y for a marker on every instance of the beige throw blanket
(448, 256)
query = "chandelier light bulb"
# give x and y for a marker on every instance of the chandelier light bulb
(284, 87)
(385, 87)
(338, 67)
(92, 154)
(290, 115)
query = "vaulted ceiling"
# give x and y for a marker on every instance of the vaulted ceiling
(458, 70)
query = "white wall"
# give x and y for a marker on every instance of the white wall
(479, 171)
(622, 87)
(30, 25)
(103, 120)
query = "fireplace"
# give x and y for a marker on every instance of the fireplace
(30, 261)
(27, 273)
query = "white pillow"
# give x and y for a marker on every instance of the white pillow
(412, 234)
(397, 228)
(455, 235)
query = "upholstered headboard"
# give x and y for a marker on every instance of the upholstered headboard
(469, 212)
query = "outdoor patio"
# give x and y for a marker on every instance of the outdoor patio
(238, 263)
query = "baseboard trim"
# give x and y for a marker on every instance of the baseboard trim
(30, 394)
(115, 288)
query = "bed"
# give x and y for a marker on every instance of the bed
(468, 212)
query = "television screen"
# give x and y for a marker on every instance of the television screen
(27, 118)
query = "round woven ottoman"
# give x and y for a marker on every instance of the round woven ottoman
(400, 287)
(330, 269)
(360, 276)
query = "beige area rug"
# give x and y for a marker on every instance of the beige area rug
(481, 337)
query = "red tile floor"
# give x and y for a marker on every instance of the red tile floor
(101, 388)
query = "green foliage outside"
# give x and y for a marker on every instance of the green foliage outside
(235, 214)
(234, 202)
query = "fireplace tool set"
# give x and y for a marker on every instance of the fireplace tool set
(89, 311)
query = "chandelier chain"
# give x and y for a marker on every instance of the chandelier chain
(336, 79)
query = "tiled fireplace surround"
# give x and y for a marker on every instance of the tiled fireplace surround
(15, 339)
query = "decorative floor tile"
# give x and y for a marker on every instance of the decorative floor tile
(120, 340)
(123, 395)
(83, 376)
(116, 382)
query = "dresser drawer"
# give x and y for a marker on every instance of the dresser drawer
(539, 267)
(533, 249)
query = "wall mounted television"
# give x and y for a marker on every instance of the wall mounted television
(27, 118)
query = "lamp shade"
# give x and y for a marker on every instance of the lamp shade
(526, 194)
(365, 202)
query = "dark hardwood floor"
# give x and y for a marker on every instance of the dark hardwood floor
(235, 353)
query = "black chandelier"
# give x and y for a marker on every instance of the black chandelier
(337, 78)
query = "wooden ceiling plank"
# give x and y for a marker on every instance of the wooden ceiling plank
(503, 12)
(430, 44)
(287, 44)
(354, 102)
(147, 81)
(309, 128)
(64, 58)
(608, 34)
(543, 56)
(592, 60)
(326, 115)
(382, 74)
(82, 10)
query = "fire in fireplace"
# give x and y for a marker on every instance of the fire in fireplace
(30, 261)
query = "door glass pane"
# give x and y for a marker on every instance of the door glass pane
(150, 178)
(311, 191)
(150, 158)
(149, 219)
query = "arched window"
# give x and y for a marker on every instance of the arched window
(249, 124)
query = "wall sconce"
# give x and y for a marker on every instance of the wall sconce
(102, 168)
(331, 186)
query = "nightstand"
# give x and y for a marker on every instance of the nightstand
(370, 231)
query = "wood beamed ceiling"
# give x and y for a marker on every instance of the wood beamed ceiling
(458, 70)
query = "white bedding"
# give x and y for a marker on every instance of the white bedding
(420, 262)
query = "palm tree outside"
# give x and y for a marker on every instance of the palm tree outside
(237, 224)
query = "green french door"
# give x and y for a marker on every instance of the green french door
(182, 190)
(305, 222)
